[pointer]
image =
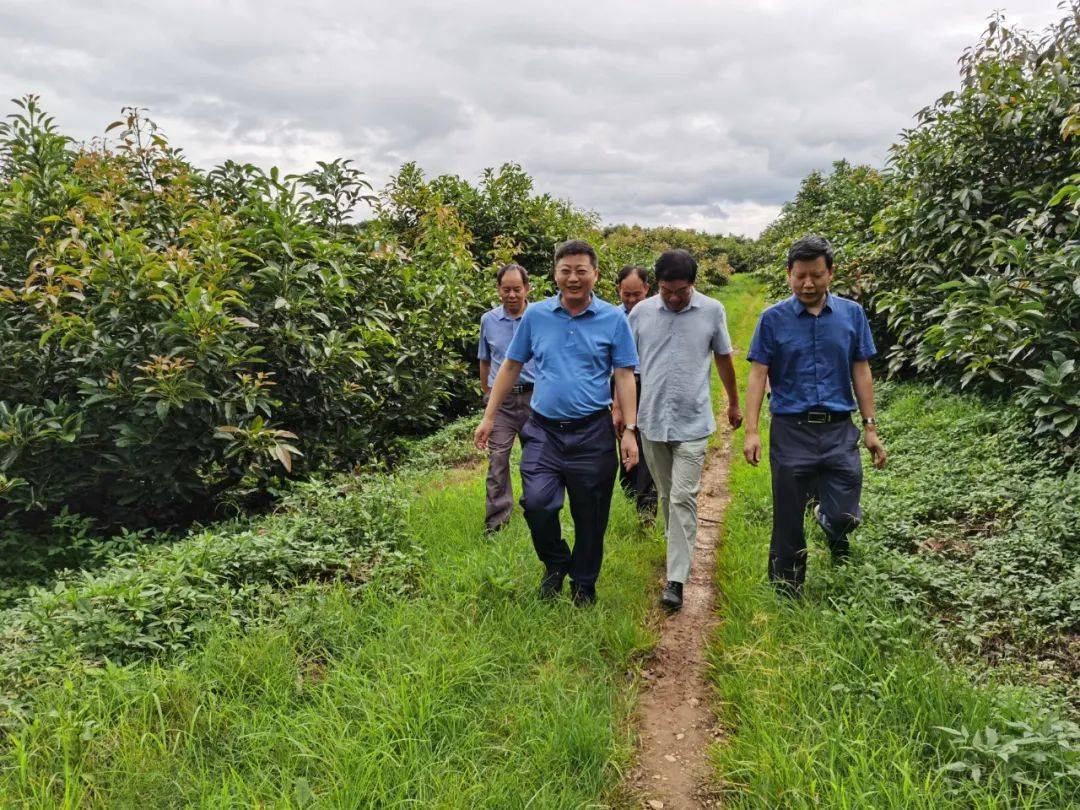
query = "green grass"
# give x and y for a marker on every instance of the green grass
(473, 694)
(469, 692)
(842, 700)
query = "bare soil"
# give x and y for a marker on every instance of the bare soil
(674, 720)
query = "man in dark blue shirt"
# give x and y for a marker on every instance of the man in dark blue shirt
(814, 349)
(577, 342)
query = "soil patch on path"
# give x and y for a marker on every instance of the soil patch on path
(674, 722)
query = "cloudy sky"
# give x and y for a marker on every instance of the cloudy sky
(700, 114)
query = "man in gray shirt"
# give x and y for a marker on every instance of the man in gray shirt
(677, 333)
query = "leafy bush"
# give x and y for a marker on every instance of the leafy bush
(637, 245)
(160, 600)
(505, 220)
(980, 533)
(966, 250)
(985, 286)
(63, 541)
(171, 334)
(843, 206)
(449, 447)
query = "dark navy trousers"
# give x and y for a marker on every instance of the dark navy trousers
(811, 461)
(637, 482)
(578, 458)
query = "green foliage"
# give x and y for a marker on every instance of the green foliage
(470, 693)
(31, 555)
(505, 219)
(843, 207)
(1011, 756)
(984, 535)
(967, 250)
(450, 447)
(170, 334)
(155, 601)
(844, 699)
(985, 286)
(716, 255)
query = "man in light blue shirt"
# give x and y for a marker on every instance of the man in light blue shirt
(577, 342)
(679, 334)
(497, 328)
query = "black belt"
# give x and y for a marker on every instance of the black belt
(521, 389)
(816, 417)
(570, 424)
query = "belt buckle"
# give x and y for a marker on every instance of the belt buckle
(564, 425)
(816, 417)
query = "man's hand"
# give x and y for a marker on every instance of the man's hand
(876, 448)
(618, 422)
(629, 453)
(734, 415)
(751, 448)
(483, 433)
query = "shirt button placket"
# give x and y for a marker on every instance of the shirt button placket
(817, 364)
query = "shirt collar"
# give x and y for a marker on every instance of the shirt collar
(593, 307)
(695, 302)
(503, 315)
(798, 308)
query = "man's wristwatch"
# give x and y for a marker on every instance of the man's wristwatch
(870, 422)
(631, 426)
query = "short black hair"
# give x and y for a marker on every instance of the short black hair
(625, 272)
(676, 265)
(809, 248)
(575, 247)
(506, 268)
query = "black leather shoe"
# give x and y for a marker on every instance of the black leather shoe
(551, 584)
(583, 594)
(671, 596)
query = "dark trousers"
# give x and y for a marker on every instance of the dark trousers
(811, 461)
(509, 420)
(578, 458)
(637, 482)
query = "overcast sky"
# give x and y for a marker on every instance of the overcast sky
(698, 114)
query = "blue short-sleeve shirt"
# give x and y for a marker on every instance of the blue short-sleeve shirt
(810, 357)
(574, 356)
(622, 308)
(497, 328)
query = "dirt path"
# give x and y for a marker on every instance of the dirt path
(673, 717)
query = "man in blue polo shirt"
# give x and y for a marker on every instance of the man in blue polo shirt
(814, 349)
(577, 342)
(497, 328)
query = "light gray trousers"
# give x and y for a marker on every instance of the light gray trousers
(676, 469)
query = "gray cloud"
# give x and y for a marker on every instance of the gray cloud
(704, 114)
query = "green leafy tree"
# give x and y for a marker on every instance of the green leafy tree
(966, 250)
(843, 206)
(170, 335)
(985, 285)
